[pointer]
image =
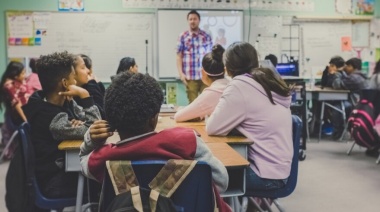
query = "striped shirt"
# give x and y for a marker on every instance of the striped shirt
(193, 47)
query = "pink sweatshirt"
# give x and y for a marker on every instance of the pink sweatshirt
(204, 104)
(245, 106)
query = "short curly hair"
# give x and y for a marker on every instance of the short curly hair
(131, 101)
(52, 68)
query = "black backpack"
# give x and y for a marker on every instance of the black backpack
(130, 197)
(361, 123)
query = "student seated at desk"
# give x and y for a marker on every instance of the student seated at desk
(53, 117)
(14, 93)
(334, 70)
(86, 80)
(212, 76)
(132, 104)
(352, 78)
(257, 104)
(127, 64)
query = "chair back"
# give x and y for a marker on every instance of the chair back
(195, 193)
(292, 179)
(29, 164)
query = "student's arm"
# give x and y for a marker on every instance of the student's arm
(94, 138)
(20, 111)
(229, 112)
(338, 80)
(62, 129)
(200, 107)
(354, 82)
(87, 110)
(219, 172)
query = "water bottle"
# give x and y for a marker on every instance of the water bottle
(312, 82)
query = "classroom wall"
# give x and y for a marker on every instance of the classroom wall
(322, 8)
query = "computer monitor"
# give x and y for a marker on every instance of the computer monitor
(268, 64)
(288, 69)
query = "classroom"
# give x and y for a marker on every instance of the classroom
(327, 58)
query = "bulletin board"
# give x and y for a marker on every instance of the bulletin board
(321, 41)
(104, 37)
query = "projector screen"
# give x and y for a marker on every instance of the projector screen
(171, 23)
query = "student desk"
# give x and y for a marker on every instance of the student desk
(238, 143)
(327, 94)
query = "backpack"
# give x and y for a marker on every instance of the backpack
(130, 197)
(361, 123)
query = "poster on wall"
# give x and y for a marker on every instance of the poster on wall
(70, 5)
(364, 7)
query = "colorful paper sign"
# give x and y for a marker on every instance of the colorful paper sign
(346, 43)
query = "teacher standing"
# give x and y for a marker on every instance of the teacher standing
(192, 45)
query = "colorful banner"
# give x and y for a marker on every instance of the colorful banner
(70, 5)
(364, 7)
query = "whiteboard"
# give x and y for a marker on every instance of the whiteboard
(104, 37)
(265, 34)
(360, 34)
(171, 23)
(322, 41)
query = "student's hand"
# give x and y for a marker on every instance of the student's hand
(100, 131)
(76, 123)
(74, 90)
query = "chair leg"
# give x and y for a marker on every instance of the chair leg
(344, 121)
(8, 145)
(244, 204)
(253, 201)
(280, 208)
(321, 121)
(267, 204)
(378, 160)
(350, 150)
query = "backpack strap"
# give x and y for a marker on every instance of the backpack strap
(124, 179)
(169, 178)
(122, 176)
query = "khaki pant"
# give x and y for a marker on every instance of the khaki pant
(194, 88)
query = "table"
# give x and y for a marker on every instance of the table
(238, 143)
(324, 94)
(234, 161)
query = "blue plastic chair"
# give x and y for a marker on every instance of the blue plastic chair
(292, 180)
(194, 194)
(29, 161)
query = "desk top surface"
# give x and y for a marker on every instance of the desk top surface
(325, 89)
(226, 154)
(218, 144)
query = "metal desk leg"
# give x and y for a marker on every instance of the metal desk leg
(344, 120)
(321, 120)
(78, 204)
